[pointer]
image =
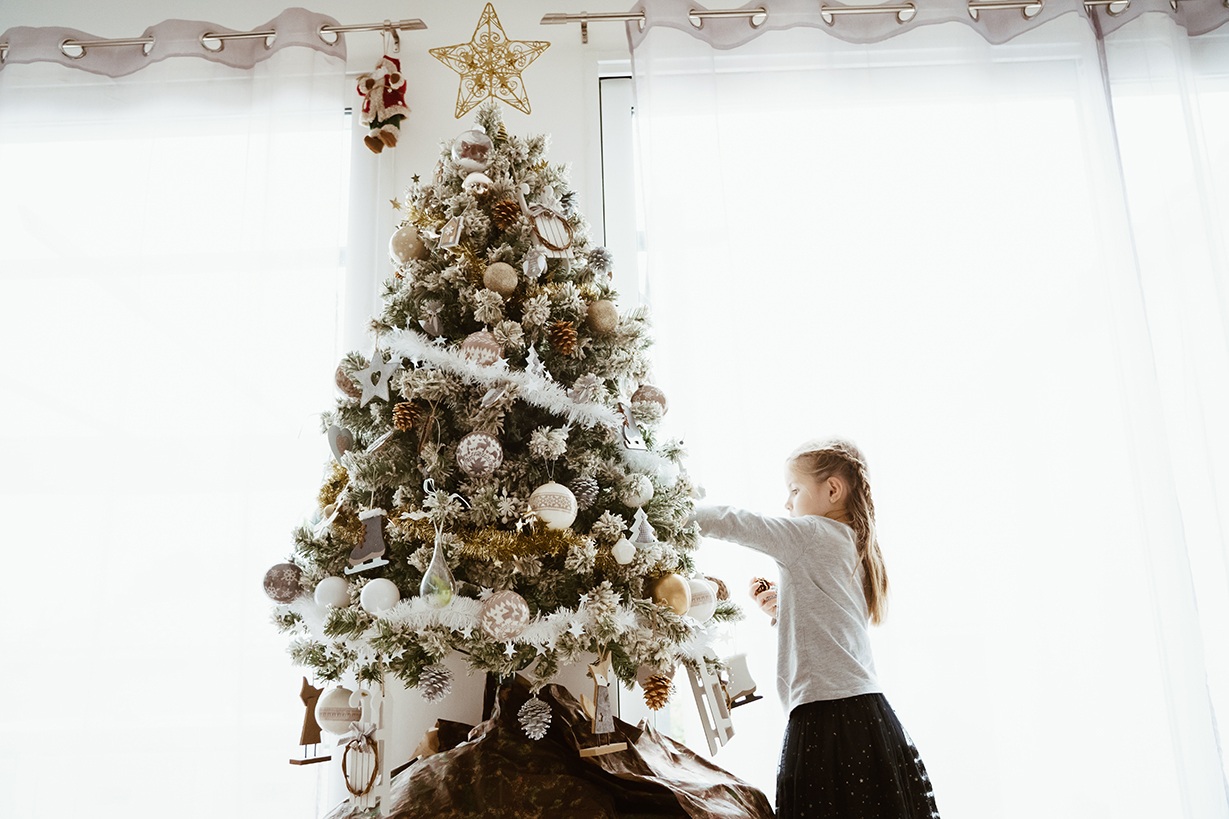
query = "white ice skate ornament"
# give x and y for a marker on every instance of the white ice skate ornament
(632, 439)
(739, 688)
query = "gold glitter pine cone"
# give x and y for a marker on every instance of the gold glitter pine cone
(657, 688)
(563, 336)
(505, 213)
(406, 415)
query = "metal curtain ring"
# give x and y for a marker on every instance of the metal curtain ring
(323, 30)
(209, 35)
(68, 42)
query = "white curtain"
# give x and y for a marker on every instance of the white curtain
(925, 242)
(171, 260)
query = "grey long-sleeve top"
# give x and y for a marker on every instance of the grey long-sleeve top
(823, 644)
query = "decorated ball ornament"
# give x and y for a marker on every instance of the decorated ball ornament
(554, 504)
(504, 615)
(471, 151)
(481, 347)
(647, 392)
(703, 599)
(333, 592)
(406, 245)
(603, 317)
(346, 384)
(500, 277)
(638, 490)
(334, 713)
(672, 590)
(380, 594)
(479, 454)
(282, 582)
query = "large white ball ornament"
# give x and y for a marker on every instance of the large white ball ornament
(479, 454)
(638, 491)
(504, 615)
(334, 713)
(406, 245)
(703, 599)
(554, 504)
(333, 592)
(379, 595)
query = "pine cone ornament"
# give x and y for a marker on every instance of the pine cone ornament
(535, 718)
(435, 682)
(657, 689)
(504, 213)
(405, 415)
(562, 335)
(585, 489)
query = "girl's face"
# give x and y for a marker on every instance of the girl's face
(807, 495)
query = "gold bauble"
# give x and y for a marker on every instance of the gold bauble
(603, 317)
(500, 277)
(672, 590)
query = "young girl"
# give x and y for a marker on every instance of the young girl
(845, 754)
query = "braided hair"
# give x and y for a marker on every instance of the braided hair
(822, 459)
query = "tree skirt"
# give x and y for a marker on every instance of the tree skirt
(500, 772)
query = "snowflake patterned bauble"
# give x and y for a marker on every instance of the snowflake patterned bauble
(554, 504)
(479, 454)
(471, 151)
(500, 277)
(334, 713)
(333, 592)
(481, 347)
(406, 246)
(282, 582)
(504, 615)
(379, 595)
(535, 717)
(603, 317)
(648, 392)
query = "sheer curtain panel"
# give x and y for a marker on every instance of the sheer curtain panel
(171, 253)
(922, 234)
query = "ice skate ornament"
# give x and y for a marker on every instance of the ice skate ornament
(550, 228)
(603, 712)
(739, 687)
(711, 702)
(370, 553)
(383, 93)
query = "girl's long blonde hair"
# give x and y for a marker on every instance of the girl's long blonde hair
(823, 459)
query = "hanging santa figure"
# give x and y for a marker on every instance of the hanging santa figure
(383, 93)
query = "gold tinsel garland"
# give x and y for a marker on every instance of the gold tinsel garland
(495, 544)
(333, 484)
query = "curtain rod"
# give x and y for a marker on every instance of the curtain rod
(388, 26)
(904, 12)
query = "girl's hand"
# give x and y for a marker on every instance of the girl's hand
(765, 594)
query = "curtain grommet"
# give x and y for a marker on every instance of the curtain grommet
(323, 30)
(759, 18)
(67, 43)
(907, 14)
(696, 22)
(1029, 12)
(210, 36)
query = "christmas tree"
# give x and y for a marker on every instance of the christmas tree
(499, 486)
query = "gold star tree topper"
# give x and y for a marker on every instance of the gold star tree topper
(490, 64)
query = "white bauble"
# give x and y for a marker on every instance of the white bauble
(624, 551)
(703, 599)
(638, 491)
(333, 592)
(406, 245)
(379, 595)
(504, 615)
(334, 713)
(554, 504)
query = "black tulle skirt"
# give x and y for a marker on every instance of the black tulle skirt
(851, 759)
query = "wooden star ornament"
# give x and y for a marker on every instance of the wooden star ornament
(490, 64)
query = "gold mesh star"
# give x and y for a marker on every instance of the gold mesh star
(490, 64)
